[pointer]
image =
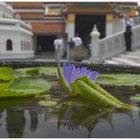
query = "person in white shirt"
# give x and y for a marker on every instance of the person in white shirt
(58, 44)
(127, 25)
(127, 21)
(77, 40)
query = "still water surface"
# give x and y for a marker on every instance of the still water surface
(29, 119)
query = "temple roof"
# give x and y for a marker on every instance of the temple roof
(127, 7)
(27, 5)
(30, 15)
(91, 8)
(127, 3)
(47, 28)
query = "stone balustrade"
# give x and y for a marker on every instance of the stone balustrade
(102, 49)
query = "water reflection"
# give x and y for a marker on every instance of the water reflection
(69, 121)
(33, 120)
(92, 117)
(88, 117)
(15, 123)
(1, 111)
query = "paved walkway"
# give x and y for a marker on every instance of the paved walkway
(126, 59)
(50, 58)
(62, 60)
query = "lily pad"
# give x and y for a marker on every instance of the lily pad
(7, 74)
(28, 83)
(43, 69)
(48, 103)
(4, 85)
(33, 71)
(121, 79)
(25, 87)
(12, 93)
(77, 101)
(135, 98)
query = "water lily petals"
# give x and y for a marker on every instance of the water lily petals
(71, 73)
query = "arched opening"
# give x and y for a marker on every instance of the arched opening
(9, 45)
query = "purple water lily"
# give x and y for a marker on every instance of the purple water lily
(71, 73)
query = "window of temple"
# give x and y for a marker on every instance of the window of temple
(3, 16)
(25, 45)
(9, 45)
(22, 45)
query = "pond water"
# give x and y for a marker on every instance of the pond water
(26, 118)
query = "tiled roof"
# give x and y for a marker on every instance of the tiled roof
(31, 15)
(27, 4)
(90, 8)
(127, 3)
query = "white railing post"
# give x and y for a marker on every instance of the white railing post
(94, 46)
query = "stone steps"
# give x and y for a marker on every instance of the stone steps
(133, 57)
(128, 58)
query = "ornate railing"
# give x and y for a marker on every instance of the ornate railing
(102, 49)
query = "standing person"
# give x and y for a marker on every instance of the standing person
(77, 40)
(71, 43)
(127, 25)
(70, 46)
(58, 44)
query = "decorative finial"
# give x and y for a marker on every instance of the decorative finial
(95, 31)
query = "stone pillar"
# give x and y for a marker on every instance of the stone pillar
(70, 29)
(94, 46)
(70, 25)
(109, 25)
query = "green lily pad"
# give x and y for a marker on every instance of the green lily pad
(28, 83)
(135, 98)
(77, 101)
(121, 79)
(4, 85)
(7, 74)
(25, 87)
(106, 76)
(48, 103)
(33, 71)
(43, 69)
(12, 93)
